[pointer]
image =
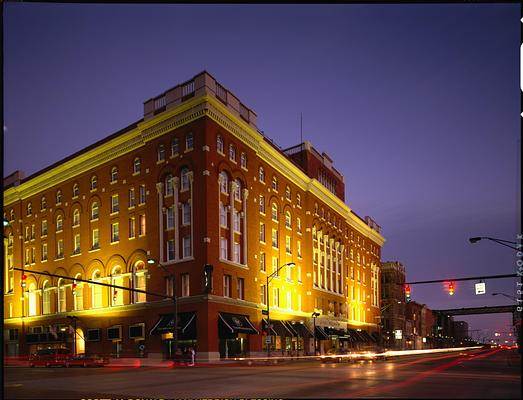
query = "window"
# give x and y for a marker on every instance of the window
(137, 166)
(59, 223)
(96, 239)
(224, 182)
(232, 153)
(169, 190)
(187, 246)
(93, 335)
(117, 280)
(276, 297)
(263, 290)
(299, 273)
(238, 190)
(58, 197)
(115, 206)
(131, 198)
(275, 238)
(76, 244)
(29, 209)
(115, 235)
(298, 224)
(186, 213)
(76, 217)
(262, 232)
(236, 253)
(299, 248)
(76, 190)
(33, 255)
(94, 182)
(223, 248)
(175, 147)
(275, 266)
(223, 215)
(33, 233)
(262, 204)
(236, 220)
(170, 217)
(243, 161)
(97, 291)
(137, 331)
(27, 234)
(43, 203)
(94, 211)
(261, 175)
(44, 251)
(219, 144)
(288, 249)
(189, 141)
(262, 261)
(140, 285)
(141, 230)
(32, 299)
(288, 220)
(275, 183)
(241, 288)
(114, 174)
(298, 199)
(61, 296)
(185, 285)
(227, 286)
(12, 215)
(274, 212)
(288, 193)
(132, 232)
(46, 298)
(185, 179)
(161, 153)
(142, 194)
(170, 250)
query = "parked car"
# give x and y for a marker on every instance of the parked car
(84, 360)
(50, 357)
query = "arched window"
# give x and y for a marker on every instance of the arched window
(287, 192)
(94, 182)
(298, 224)
(288, 219)
(61, 296)
(232, 152)
(12, 215)
(316, 208)
(78, 293)
(94, 211)
(137, 166)
(139, 282)
(46, 298)
(114, 174)
(97, 293)
(224, 182)
(274, 212)
(219, 144)
(32, 299)
(161, 152)
(59, 223)
(298, 199)
(43, 203)
(189, 141)
(175, 147)
(58, 197)
(169, 185)
(243, 160)
(29, 208)
(261, 175)
(76, 217)
(76, 190)
(322, 212)
(117, 280)
(238, 191)
(184, 179)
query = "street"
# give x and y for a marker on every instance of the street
(484, 373)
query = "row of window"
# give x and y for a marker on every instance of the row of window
(175, 148)
(232, 152)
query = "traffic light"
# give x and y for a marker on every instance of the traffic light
(24, 277)
(115, 295)
(451, 289)
(74, 288)
(407, 293)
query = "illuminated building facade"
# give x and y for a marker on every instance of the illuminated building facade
(195, 187)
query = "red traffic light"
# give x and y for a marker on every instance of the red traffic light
(407, 292)
(24, 277)
(451, 289)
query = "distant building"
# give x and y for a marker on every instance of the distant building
(393, 304)
(418, 326)
(443, 329)
(461, 330)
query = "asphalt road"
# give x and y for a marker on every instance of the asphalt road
(490, 374)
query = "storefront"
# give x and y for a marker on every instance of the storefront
(186, 332)
(233, 334)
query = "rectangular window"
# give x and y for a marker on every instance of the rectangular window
(93, 335)
(170, 217)
(141, 231)
(236, 220)
(137, 331)
(223, 215)
(263, 294)
(299, 248)
(76, 244)
(288, 244)
(262, 204)
(185, 285)
(275, 265)
(299, 273)
(33, 255)
(187, 246)
(223, 248)
(289, 272)
(131, 228)
(275, 238)
(236, 253)
(262, 232)
(276, 297)
(60, 249)
(186, 216)
(114, 332)
(241, 289)
(227, 286)
(262, 262)
(170, 250)
(142, 194)
(44, 251)
(115, 206)
(44, 227)
(96, 239)
(131, 198)
(33, 233)
(115, 232)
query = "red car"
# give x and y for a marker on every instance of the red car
(83, 360)
(50, 357)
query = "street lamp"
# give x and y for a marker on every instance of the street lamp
(506, 295)
(171, 277)
(314, 316)
(269, 278)
(500, 241)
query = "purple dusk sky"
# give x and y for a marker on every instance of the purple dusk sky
(418, 106)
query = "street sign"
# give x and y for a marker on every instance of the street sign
(265, 312)
(268, 340)
(398, 334)
(480, 288)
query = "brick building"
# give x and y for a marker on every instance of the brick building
(393, 304)
(193, 186)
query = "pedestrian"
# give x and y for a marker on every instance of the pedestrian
(193, 355)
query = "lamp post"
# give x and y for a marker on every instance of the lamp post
(269, 278)
(500, 241)
(314, 316)
(74, 319)
(171, 277)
